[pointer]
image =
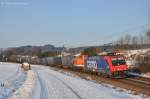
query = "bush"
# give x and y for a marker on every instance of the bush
(91, 51)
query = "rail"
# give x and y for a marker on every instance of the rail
(139, 81)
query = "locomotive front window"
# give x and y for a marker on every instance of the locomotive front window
(118, 61)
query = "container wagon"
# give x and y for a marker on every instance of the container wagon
(67, 61)
(52, 61)
(57, 61)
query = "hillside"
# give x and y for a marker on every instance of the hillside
(29, 50)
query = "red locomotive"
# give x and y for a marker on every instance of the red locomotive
(110, 64)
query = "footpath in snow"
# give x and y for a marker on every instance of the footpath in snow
(25, 91)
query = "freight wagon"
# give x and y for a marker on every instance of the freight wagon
(52, 61)
(111, 66)
(67, 61)
(57, 61)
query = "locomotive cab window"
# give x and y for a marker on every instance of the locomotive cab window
(118, 61)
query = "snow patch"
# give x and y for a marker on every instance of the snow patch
(147, 75)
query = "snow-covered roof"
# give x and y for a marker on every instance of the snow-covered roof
(77, 54)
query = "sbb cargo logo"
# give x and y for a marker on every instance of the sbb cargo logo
(92, 64)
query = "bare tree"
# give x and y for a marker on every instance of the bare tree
(121, 41)
(148, 35)
(127, 39)
(141, 39)
(134, 41)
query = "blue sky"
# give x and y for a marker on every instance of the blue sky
(69, 22)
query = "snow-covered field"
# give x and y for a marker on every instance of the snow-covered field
(44, 83)
(7, 70)
(11, 77)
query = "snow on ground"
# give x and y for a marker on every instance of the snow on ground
(25, 91)
(44, 83)
(7, 70)
(147, 75)
(131, 55)
(55, 85)
(139, 51)
(110, 86)
(11, 77)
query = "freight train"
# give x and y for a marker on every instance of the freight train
(109, 65)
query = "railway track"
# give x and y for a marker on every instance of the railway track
(136, 83)
(145, 82)
(139, 86)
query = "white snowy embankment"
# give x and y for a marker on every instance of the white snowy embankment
(25, 91)
(11, 77)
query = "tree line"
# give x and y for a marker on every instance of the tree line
(133, 42)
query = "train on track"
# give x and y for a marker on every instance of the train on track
(109, 65)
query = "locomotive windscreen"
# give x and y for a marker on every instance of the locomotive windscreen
(118, 61)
